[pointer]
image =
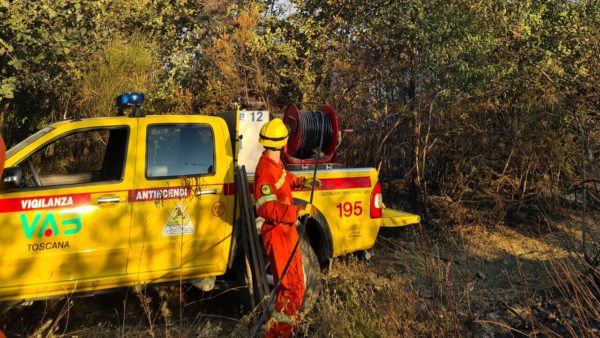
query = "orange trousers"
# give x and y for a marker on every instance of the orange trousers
(279, 241)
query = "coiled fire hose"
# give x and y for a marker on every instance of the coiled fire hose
(305, 130)
(313, 124)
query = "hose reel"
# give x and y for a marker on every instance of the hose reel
(305, 131)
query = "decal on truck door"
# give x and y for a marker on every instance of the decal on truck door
(179, 223)
(48, 224)
(43, 202)
(141, 195)
(218, 209)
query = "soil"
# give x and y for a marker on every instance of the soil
(502, 278)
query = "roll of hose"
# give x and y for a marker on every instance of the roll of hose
(313, 124)
(305, 132)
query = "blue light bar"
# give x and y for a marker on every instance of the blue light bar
(130, 99)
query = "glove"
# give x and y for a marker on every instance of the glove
(309, 210)
(307, 183)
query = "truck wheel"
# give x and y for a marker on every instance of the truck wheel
(312, 275)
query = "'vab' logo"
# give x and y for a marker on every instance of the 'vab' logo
(51, 224)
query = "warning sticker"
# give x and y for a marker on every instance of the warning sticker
(179, 222)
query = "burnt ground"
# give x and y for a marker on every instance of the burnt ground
(425, 280)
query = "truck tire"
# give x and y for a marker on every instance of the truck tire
(312, 275)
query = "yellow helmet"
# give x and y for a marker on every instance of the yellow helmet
(273, 134)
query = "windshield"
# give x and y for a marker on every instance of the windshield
(28, 141)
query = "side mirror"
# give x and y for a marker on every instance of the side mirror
(12, 177)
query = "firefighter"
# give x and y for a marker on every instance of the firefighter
(274, 203)
(2, 154)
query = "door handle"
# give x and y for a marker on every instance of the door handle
(108, 200)
(206, 192)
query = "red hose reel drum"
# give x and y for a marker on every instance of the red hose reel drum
(293, 152)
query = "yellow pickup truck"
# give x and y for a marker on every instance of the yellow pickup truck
(100, 203)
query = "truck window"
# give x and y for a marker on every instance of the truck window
(85, 156)
(179, 150)
(28, 141)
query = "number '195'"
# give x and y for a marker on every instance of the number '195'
(348, 209)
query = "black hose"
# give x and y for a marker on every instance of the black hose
(314, 125)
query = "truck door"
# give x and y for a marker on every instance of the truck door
(67, 228)
(182, 199)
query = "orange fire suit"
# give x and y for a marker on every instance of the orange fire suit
(274, 203)
(2, 154)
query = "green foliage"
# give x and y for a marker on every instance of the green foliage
(49, 39)
(126, 64)
(519, 77)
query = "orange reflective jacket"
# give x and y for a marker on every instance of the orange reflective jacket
(273, 196)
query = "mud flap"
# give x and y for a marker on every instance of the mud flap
(393, 218)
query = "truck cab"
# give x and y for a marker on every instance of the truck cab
(107, 202)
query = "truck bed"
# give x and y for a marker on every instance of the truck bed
(343, 202)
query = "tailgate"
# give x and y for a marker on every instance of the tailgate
(394, 218)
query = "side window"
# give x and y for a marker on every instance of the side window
(82, 157)
(179, 150)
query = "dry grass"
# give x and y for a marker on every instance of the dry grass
(463, 281)
(360, 303)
